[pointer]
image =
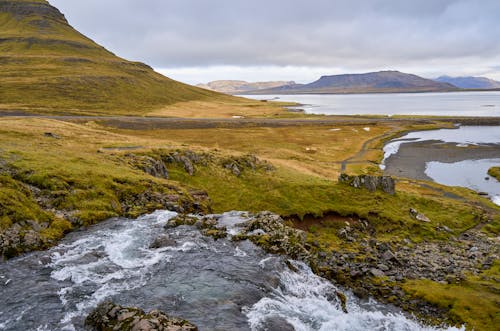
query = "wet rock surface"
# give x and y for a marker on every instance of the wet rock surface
(109, 316)
(377, 268)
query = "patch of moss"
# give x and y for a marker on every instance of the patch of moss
(17, 204)
(475, 302)
(494, 172)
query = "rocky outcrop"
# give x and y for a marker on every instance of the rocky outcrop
(150, 165)
(19, 239)
(238, 164)
(110, 316)
(149, 200)
(372, 183)
(25, 8)
(187, 159)
(156, 162)
(269, 231)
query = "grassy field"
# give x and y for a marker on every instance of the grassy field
(87, 172)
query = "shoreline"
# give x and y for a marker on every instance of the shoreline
(411, 159)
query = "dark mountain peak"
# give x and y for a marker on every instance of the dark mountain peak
(41, 10)
(46, 64)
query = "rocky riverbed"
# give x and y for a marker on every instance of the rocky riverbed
(163, 261)
(377, 268)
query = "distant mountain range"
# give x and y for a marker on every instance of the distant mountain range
(373, 82)
(470, 82)
(240, 86)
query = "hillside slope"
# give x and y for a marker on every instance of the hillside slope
(470, 82)
(47, 66)
(373, 82)
(240, 86)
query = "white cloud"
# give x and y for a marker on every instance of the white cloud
(258, 38)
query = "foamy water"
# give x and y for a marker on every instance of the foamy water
(216, 284)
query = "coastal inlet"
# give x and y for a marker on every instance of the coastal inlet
(453, 157)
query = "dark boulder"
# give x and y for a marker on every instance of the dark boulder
(275, 323)
(163, 241)
(109, 316)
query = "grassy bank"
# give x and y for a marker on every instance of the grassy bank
(474, 301)
(494, 172)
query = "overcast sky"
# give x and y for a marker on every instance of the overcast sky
(201, 40)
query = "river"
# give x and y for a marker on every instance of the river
(218, 285)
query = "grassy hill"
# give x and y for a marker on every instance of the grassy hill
(48, 66)
(240, 86)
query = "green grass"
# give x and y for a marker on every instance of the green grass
(47, 66)
(494, 172)
(17, 204)
(476, 301)
(81, 177)
(289, 192)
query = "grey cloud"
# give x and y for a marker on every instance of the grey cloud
(363, 33)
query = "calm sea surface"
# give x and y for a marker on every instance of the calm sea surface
(442, 104)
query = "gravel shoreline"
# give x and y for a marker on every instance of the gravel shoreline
(411, 159)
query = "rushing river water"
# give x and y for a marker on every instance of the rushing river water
(438, 104)
(218, 285)
(468, 171)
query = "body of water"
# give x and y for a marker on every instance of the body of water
(218, 285)
(469, 172)
(438, 104)
(462, 136)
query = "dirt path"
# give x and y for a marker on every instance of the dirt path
(151, 123)
(358, 157)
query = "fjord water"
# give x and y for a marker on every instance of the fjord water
(428, 104)
(218, 285)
